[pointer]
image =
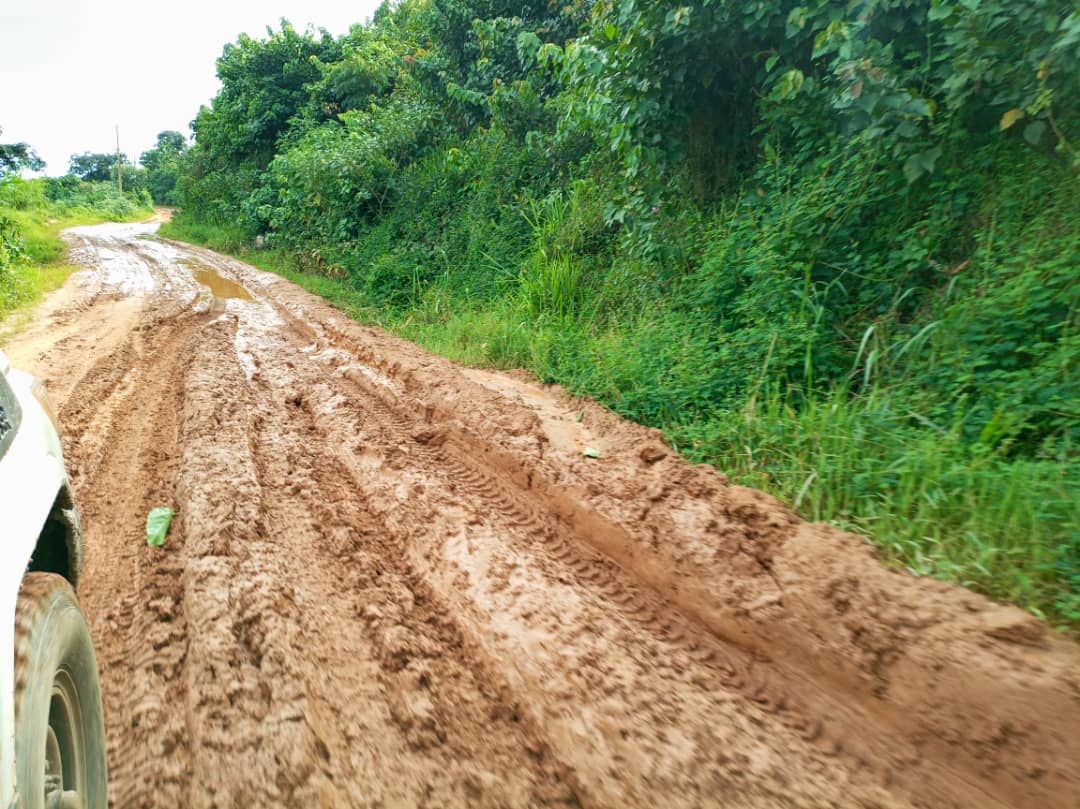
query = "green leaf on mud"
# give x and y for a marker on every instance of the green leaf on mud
(589, 452)
(157, 525)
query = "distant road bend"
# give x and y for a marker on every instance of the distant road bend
(396, 582)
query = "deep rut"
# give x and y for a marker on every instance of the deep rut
(394, 582)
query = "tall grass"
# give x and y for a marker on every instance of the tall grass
(933, 502)
(216, 237)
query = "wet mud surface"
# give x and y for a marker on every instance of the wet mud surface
(396, 582)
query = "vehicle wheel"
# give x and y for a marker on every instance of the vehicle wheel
(59, 724)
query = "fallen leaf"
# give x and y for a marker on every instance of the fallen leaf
(157, 525)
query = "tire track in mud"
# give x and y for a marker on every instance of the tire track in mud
(139, 627)
(529, 510)
(413, 452)
(527, 514)
(391, 582)
(439, 715)
(916, 756)
(923, 753)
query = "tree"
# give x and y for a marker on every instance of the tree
(162, 164)
(15, 157)
(170, 145)
(264, 84)
(95, 165)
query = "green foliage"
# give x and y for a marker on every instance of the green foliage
(936, 503)
(652, 81)
(95, 166)
(217, 237)
(340, 175)
(265, 84)
(14, 157)
(829, 247)
(11, 252)
(162, 164)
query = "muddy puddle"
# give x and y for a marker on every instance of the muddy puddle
(221, 287)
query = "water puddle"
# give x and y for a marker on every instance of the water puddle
(220, 286)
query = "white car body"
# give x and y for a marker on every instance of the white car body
(32, 476)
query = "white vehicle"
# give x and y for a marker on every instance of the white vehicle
(52, 730)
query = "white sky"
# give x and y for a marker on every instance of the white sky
(70, 70)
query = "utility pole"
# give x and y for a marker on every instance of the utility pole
(119, 167)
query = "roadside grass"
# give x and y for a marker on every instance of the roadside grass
(868, 462)
(221, 239)
(933, 503)
(42, 266)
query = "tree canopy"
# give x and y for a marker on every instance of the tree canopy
(162, 163)
(15, 157)
(95, 166)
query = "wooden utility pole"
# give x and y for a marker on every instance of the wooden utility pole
(119, 167)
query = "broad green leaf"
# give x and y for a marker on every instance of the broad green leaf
(589, 452)
(913, 168)
(939, 11)
(789, 84)
(906, 129)
(928, 159)
(796, 19)
(157, 525)
(1011, 117)
(1033, 132)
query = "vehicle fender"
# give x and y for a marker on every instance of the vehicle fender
(31, 476)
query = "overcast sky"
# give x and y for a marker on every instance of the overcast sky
(70, 70)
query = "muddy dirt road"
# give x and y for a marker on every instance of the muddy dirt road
(395, 582)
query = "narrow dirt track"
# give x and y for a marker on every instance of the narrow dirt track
(395, 582)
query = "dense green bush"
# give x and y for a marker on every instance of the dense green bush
(162, 164)
(10, 252)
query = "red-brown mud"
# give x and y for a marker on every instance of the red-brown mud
(393, 581)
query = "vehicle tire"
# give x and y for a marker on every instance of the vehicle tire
(59, 723)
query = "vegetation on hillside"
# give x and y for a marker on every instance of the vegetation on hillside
(830, 247)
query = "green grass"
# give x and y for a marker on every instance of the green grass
(932, 501)
(224, 240)
(44, 266)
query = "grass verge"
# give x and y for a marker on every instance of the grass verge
(43, 266)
